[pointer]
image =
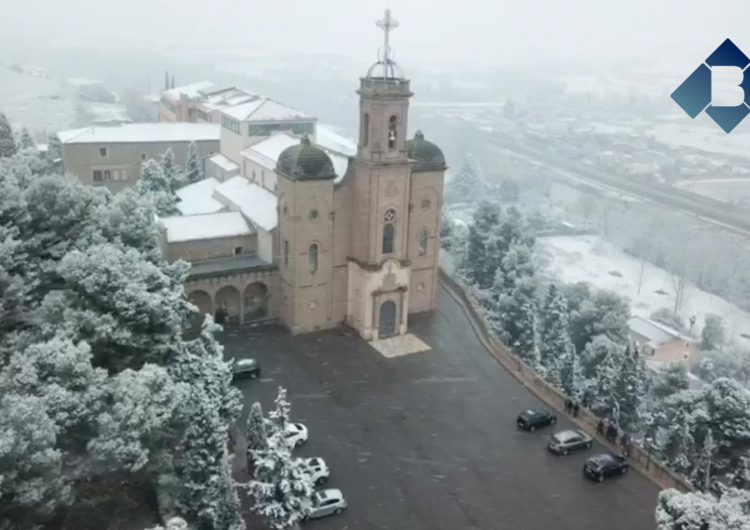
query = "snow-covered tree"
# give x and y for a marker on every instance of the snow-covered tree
(282, 488)
(7, 143)
(479, 267)
(54, 153)
(712, 336)
(669, 380)
(280, 414)
(554, 336)
(26, 141)
(596, 313)
(729, 362)
(468, 185)
(701, 511)
(193, 165)
(156, 185)
(517, 316)
(172, 173)
(630, 389)
(257, 437)
(96, 377)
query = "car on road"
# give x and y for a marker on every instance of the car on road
(531, 420)
(295, 434)
(243, 368)
(327, 502)
(565, 442)
(604, 466)
(318, 470)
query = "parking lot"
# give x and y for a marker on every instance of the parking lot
(428, 440)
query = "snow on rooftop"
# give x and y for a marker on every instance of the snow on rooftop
(267, 152)
(328, 137)
(223, 162)
(197, 198)
(189, 91)
(265, 109)
(256, 203)
(142, 132)
(209, 226)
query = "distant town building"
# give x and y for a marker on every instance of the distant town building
(663, 344)
(112, 155)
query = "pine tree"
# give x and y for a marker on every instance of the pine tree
(468, 185)
(630, 389)
(257, 437)
(555, 347)
(517, 314)
(480, 267)
(282, 487)
(156, 186)
(54, 154)
(712, 335)
(701, 511)
(671, 379)
(193, 166)
(7, 143)
(26, 141)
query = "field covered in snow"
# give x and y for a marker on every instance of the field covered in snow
(603, 265)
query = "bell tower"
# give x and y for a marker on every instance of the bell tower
(378, 264)
(384, 104)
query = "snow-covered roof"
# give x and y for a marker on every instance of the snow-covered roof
(197, 198)
(190, 91)
(338, 148)
(142, 132)
(656, 332)
(267, 152)
(256, 203)
(265, 110)
(224, 163)
(224, 97)
(209, 226)
(327, 137)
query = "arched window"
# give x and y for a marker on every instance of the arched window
(392, 127)
(389, 230)
(312, 258)
(422, 242)
(286, 253)
(365, 129)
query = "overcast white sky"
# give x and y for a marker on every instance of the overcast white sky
(491, 31)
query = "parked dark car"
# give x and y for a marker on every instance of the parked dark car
(246, 368)
(565, 442)
(531, 420)
(604, 466)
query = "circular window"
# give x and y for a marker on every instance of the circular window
(314, 215)
(426, 203)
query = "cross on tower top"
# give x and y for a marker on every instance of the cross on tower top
(387, 24)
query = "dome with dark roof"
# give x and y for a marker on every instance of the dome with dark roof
(426, 155)
(305, 161)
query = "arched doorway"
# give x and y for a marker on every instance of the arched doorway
(255, 301)
(227, 305)
(202, 300)
(387, 319)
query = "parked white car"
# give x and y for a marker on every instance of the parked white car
(319, 471)
(327, 502)
(296, 434)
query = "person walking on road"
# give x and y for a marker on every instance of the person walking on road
(576, 408)
(600, 427)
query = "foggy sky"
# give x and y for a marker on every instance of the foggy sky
(486, 31)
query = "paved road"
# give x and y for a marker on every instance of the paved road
(427, 441)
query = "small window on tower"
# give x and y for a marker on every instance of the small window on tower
(312, 256)
(365, 129)
(286, 253)
(392, 127)
(422, 241)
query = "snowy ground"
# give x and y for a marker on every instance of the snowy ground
(591, 259)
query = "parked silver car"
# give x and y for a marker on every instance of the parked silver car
(565, 442)
(327, 502)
